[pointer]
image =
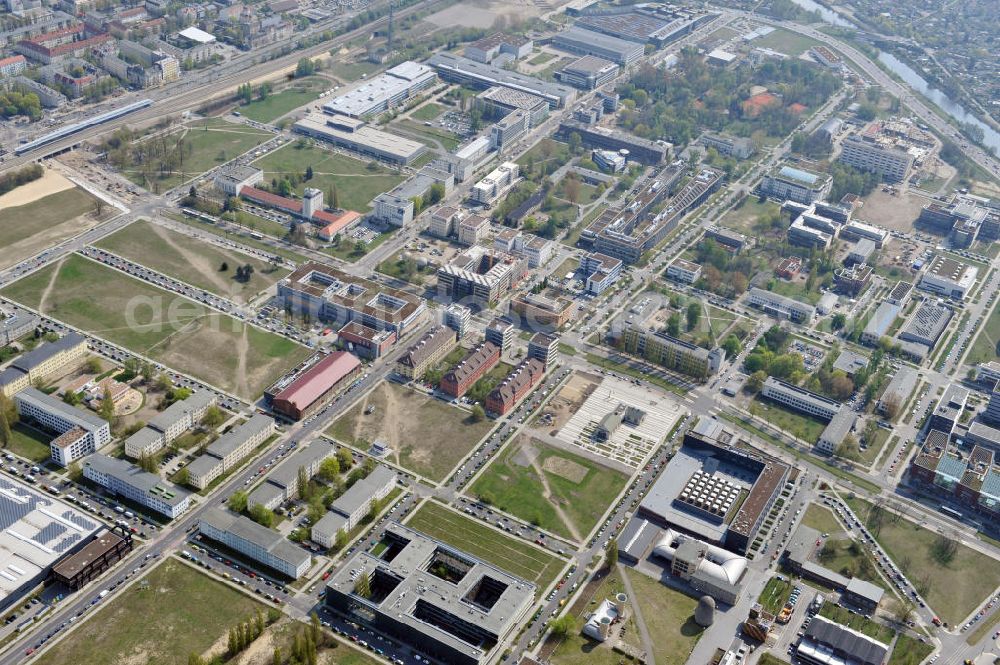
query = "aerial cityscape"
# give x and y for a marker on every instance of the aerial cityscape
(480, 332)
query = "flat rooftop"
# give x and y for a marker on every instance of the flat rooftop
(477, 593)
(36, 530)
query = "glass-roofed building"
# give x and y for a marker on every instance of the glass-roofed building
(786, 183)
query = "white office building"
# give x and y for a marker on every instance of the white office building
(800, 399)
(266, 547)
(81, 433)
(136, 485)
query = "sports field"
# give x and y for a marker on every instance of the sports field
(356, 183)
(515, 556)
(427, 436)
(191, 260)
(163, 326)
(204, 144)
(192, 613)
(951, 592)
(561, 492)
(29, 226)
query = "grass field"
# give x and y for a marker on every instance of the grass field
(951, 591)
(669, 618)
(356, 184)
(745, 216)
(542, 58)
(909, 651)
(789, 43)
(192, 612)
(858, 622)
(185, 258)
(241, 238)
(429, 135)
(821, 519)
(986, 347)
(431, 438)
(428, 111)
(775, 594)
(564, 493)
(352, 71)
(27, 229)
(849, 557)
(212, 141)
(29, 443)
(299, 93)
(793, 422)
(163, 326)
(515, 556)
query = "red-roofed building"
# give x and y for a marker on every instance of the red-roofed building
(315, 386)
(512, 389)
(42, 52)
(334, 222)
(12, 66)
(272, 200)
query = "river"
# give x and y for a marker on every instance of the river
(991, 138)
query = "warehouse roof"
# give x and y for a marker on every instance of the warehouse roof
(314, 382)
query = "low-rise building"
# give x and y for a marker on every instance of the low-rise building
(426, 352)
(673, 353)
(833, 434)
(947, 277)
(81, 432)
(879, 323)
(545, 348)
(166, 426)
(541, 311)
(41, 363)
(948, 411)
(505, 396)
(781, 307)
(853, 280)
(826, 642)
(898, 391)
(350, 508)
(457, 381)
(282, 483)
(365, 341)
(787, 183)
(926, 325)
(15, 323)
(728, 145)
(360, 137)
(600, 271)
(588, 72)
(709, 569)
(128, 480)
(315, 386)
(226, 452)
(800, 399)
(683, 270)
(488, 48)
(260, 544)
(495, 184)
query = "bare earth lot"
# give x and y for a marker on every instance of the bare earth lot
(427, 436)
(165, 327)
(193, 261)
(43, 213)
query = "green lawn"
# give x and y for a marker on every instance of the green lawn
(206, 143)
(548, 486)
(352, 71)
(986, 347)
(850, 558)
(29, 443)
(356, 182)
(669, 618)
(743, 217)
(546, 151)
(192, 610)
(775, 594)
(28, 229)
(299, 93)
(191, 260)
(513, 555)
(858, 622)
(804, 427)
(428, 111)
(951, 591)
(909, 651)
(241, 237)
(429, 135)
(819, 518)
(542, 58)
(790, 43)
(163, 326)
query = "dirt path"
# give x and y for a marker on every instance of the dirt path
(547, 494)
(242, 385)
(51, 285)
(390, 421)
(199, 263)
